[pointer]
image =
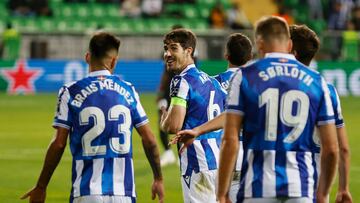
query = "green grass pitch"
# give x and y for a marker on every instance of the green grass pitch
(25, 132)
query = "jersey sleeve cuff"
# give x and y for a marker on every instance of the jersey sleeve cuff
(320, 123)
(142, 123)
(340, 125)
(62, 125)
(234, 111)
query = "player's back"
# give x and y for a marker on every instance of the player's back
(224, 77)
(281, 101)
(102, 111)
(205, 100)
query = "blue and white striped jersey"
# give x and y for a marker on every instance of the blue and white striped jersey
(205, 99)
(281, 101)
(224, 79)
(100, 111)
(339, 120)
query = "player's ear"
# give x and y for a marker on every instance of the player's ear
(189, 51)
(113, 63)
(226, 56)
(87, 57)
(289, 46)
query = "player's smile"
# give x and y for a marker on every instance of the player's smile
(170, 61)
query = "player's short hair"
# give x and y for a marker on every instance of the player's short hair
(101, 43)
(272, 28)
(184, 37)
(238, 47)
(305, 42)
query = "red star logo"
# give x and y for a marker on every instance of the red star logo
(283, 60)
(101, 78)
(21, 79)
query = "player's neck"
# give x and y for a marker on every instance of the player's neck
(230, 65)
(99, 67)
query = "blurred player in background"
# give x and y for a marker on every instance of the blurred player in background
(238, 52)
(305, 45)
(195, 99)
(100, 112)
(277, 102)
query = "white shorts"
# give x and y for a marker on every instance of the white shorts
(234, 186)
(104, 199)
(278, 200)
(200, 187)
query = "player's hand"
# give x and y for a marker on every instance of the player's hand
(343, 197)
(157, 189)
(320, 198)
(185, 136)
(36, 195)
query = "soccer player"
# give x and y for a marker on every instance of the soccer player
(277, 102)
(163, 101)
(195, 99)
(237, 53)
(305, 45)
(99, 112)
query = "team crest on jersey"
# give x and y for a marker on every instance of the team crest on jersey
(175, 86)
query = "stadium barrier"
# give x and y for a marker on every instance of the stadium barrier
(35, 76)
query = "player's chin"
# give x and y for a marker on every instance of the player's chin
(170, 66)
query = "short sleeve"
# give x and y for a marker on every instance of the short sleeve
(138, 114)
(62, 116)
(179, 87)
(326, 111)
(339, 120)
(234, 103)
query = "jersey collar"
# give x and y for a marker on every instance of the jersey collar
(187, 68)
(99, 72)
(234, 69)
(279, 55)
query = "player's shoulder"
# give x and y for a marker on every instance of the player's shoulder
(332, 90)
(69, 84)
(126, 84)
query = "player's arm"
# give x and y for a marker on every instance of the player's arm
(343, 194)
(173, 120)
(228, 152)
(329, 156)
(52, 159)
(329, 144)
(188, 136)
(152, 154)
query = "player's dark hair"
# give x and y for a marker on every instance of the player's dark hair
(238, 47)
(305, 42)
(272, 27)
(185, 37)
(101, 43)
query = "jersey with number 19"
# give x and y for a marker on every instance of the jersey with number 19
(281, 102)
(100, 111)
(205, 99)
